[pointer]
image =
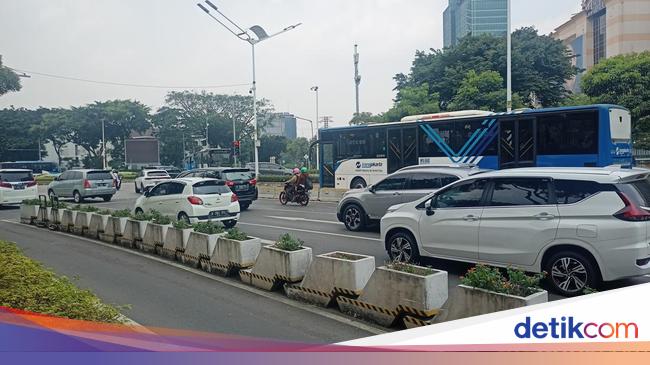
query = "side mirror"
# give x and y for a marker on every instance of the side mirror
(430, 207)
(147, 191)
(372, 189)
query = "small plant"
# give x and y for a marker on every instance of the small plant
(104, 212)
(31, 202)
(124, 213)
(181, 224)
(490, 278)
(76, 207)
(409, 268)
(236, 234)
(89, 209)
(587, 290)
(158, 218)
(287, 242)
(140, 216)
(208, 228)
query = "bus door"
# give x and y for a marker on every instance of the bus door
(327, 164)
(517, 143)
(402, 148)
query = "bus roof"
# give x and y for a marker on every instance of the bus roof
(463, 116)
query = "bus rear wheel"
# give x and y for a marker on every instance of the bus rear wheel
(358, 183)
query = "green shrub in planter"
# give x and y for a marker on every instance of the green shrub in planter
(159, 218)
(181, 225)
(287, 242)
(104, 212)
(236, 234)
(410, 269)
(89, 209)
(76, 207)
(31, 202)
(124, 213)
(516, 283)
(208, 228)
(141, 216)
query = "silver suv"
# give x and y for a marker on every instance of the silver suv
(83, 184)
(360, 207)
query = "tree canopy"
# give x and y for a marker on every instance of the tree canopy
(9, 80)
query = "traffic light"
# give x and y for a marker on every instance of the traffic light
(236, 148)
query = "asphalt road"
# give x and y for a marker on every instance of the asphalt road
(165, 296)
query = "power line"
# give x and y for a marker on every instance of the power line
(69, 78)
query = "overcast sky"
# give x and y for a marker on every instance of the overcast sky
(173, 43)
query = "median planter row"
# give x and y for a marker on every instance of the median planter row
(390, 295)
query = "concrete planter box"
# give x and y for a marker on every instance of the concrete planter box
(133, 233)
(175, 243)
(55, 218)
(199, 249)
(468, 301)
(81, 222)
(391, 295)
(153, 238)
(28, 213)
(275, 267)
(67, 220)
(96, 225)
(43, 216)
(331, 275)
(114, 229)
(230, 256)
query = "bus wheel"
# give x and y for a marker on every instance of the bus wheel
(358, 183)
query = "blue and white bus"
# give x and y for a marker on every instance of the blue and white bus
(593, 135)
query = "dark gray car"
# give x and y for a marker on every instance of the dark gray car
(360, 207)
(83, 184)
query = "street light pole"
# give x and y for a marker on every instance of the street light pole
(311, 123)
(509, 60)
(244, 35)
(315, 89)
(103, 147)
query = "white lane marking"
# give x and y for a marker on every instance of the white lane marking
(269, 295)
(298, 219)
(311, 231)
(256, 209)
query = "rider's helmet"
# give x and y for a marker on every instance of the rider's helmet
(303, 170)
(296, 171)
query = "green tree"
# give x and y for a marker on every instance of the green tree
(624, 80)
(577, 99)
(55, 128)
(482, 91)
(172, 135)
(18, 140)
(9, 81)
(294, 154)
(272, 146)
(413, 100)
(541, 66)
(367, 118)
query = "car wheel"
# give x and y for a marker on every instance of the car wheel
(137, 191)
(139, 211)
(358, 183)
(570, 273)
(354, 218)
(402, 247)
(183, 217)
(230, 223)
(107, 198)
(142, 188)
(77, 197)
(244, 206)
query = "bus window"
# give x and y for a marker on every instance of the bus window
(568, 134)
(362, 144)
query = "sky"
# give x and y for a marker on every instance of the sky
(172, 43)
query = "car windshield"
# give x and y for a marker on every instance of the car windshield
(238, 175)
(157, 173)
(14, 176)
(209, 187)
(99, 175)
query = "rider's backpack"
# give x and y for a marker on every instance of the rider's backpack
(308, 184)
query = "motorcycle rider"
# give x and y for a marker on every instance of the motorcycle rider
(116, 177)
(290, 185)
(303, 179)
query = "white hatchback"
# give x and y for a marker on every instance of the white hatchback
(17, 185)
(149, 178)
(192, 200)
(579, 225)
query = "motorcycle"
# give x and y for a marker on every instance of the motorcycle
(299, 195)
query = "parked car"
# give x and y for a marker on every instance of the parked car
(240, 180)
(358, 208)
(579, 225)
(171, 170)
(83, 184)
(192, 200)
(149, 178)
(17, 185)
(269, 168)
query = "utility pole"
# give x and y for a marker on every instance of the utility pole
(357, 77)
(326, 122)
(315, 90)
(509, 60)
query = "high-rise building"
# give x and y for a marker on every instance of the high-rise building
(281, 124)
(474, 17)
(605, 28)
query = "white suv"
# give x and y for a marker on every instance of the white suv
(192, 200)
(579, 225)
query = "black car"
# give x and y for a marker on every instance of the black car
(240, 180)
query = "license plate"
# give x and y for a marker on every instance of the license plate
(102, 185)
(219, 213)
(241, 187)
(19, 187)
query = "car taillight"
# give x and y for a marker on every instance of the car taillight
(253, 182)
(86, 184)
(31, 183)
(5, 185)
(234, 198)
(230, 183)
(631, 212)
(195, 200)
